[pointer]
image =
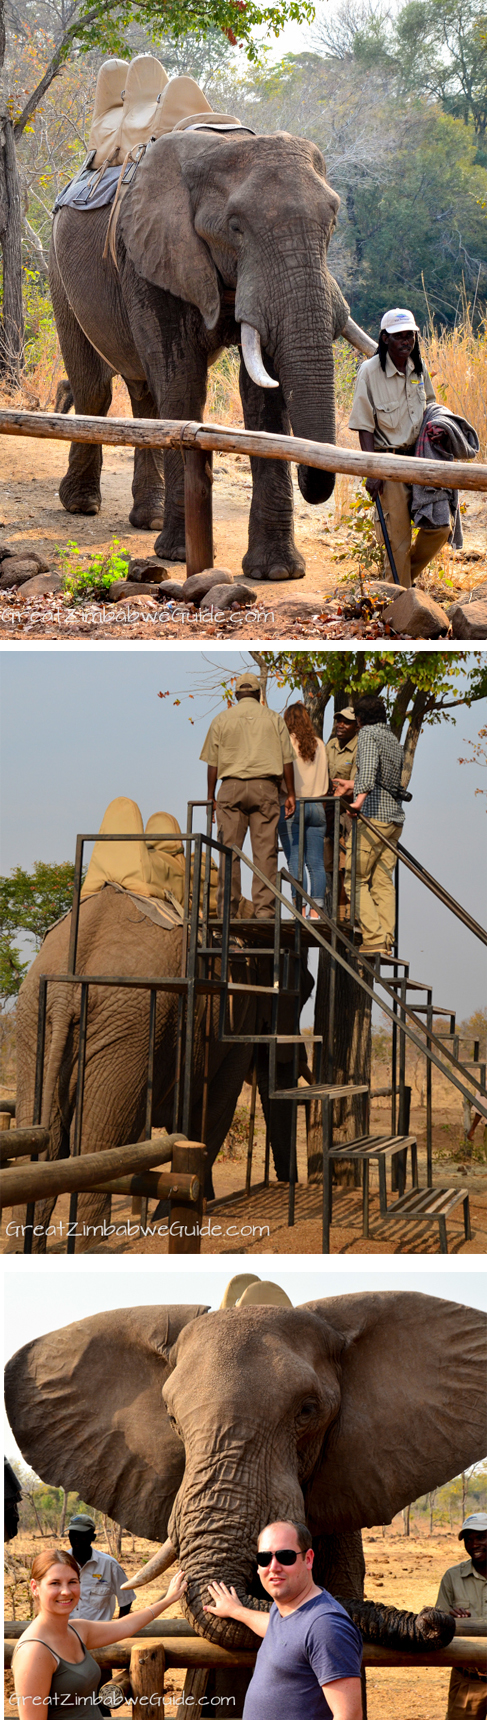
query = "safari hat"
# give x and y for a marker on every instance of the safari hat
(399, 322)
(348, 714)
(477, 1521)
(84, 1524)
(247, 683)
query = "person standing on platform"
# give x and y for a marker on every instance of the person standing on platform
(380, 761)
(249, 748)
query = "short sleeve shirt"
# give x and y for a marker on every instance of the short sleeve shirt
(391, 403)
(248, 741)
(462, 1586)
(101, 1587)
(315, 1645)
(342, 760)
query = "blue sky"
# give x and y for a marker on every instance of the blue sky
(80, 726)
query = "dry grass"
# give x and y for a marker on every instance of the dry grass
(457, 361)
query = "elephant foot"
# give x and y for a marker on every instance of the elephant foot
(273, 563)
(147, 518)
(76, 503)
(170, 544)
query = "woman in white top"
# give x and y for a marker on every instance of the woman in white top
(310, 780)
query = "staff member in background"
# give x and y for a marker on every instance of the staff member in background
(101, 1576)
(341, 752)
(249, 747)
(463, 1593)
(392, 392)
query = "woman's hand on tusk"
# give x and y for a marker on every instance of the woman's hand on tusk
(226, 1603)
(177, 1586)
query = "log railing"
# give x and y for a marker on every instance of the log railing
(123, 1170)
(196, 443)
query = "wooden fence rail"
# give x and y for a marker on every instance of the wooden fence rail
(195, 1652)
(117, 1170)
(197, 441)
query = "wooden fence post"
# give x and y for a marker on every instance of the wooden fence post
(184, 1216)
(198, 510)
(147, 1668)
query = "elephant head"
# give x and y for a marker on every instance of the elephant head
(254, 214)
(202, 1427)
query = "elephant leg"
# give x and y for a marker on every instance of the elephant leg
(171, 542)
(148, 481)
(91, 385)
(223, 1095)
(278, 1114)
(272, 552)
(176, 367)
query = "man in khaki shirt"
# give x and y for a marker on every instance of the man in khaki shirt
(249, 748)
(392, 392)
(341, 752)
(463, 1592)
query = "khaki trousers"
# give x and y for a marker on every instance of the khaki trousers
(376, 896)
(395, 500)
(252, 805)
(467, 1696)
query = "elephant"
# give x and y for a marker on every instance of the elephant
(199, 1428)
(115, 936)
(220, 240)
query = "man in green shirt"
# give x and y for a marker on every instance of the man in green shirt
(249, 748)
(463, 1592)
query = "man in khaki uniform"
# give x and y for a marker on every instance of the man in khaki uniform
(341, 752)
(380, 761)
(392, 392)
(249, 748)
(463, 1592)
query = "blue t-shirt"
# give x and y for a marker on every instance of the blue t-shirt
(313, 1646)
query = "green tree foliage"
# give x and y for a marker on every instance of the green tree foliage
(411, 178)
(418, 687)
(438, 47)
(30, 902)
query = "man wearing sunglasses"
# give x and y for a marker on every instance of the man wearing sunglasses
(309, 1662)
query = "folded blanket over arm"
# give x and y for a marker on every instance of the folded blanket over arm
(444, 435)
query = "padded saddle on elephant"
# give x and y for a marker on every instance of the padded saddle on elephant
(135, 105)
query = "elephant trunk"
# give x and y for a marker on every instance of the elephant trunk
(306, 376)
(216, 1534)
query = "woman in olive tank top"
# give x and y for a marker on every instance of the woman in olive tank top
(52, 1664)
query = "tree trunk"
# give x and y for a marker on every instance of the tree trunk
(113, 1534)
(12, 333)
(406, 1517)
(351, 1058)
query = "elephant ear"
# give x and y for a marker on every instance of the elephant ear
(158, 230)
(413, 1405)
(86, 1408)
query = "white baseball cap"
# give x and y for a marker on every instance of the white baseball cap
(399, 322)
(476, 1522)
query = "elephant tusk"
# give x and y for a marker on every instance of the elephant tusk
(160, 1562)
(252, 357)
(359, 338)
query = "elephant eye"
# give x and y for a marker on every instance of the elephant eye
(308, 1408)
(234, 228)
(173, 1423)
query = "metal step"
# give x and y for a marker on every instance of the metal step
(304, 1095)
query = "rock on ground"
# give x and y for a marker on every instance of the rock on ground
(42, 585)
(198, 584)
(223, 596)
(414, 615)
(147, 568)
(469, 620)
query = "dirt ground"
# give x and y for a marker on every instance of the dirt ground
(405, 1572)
(233, 1224)
(31, 513)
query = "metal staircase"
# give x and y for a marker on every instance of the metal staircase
(212, 952)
